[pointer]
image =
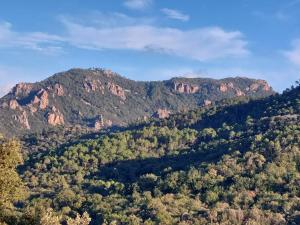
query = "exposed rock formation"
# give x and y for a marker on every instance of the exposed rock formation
(93, 85)
(162, 114)
(41, 99)
(108, 73)
(23, 120)
(207, 102)
(13, 104)
(259, 84)
(224, 87)
(59, 90)
(55, 118)
(99, 123)
(116, 90)
(77, 94)
(239, 93)
(22, 89)
(186, 88)
(108, 123)
(32, 108)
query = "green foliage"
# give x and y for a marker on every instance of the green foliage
(86, 95)
(12, 189)
(229, 164)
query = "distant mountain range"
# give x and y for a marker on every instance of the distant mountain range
(97, 98)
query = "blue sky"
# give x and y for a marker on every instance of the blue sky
(151, 39)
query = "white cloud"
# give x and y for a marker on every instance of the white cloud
(37, 41)
(120, 32)
(138, 4)
(201, 44)
(175, 14)
(293, 55)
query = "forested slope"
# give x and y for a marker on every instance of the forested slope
(233, 163)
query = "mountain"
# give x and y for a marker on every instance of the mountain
(237, 162)
(97, 98)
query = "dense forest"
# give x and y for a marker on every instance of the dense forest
(236, 162)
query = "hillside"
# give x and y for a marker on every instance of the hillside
(97, 98)
(232, 163)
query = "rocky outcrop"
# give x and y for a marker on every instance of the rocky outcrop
(32, 109)
(93, 85)
(259, 84)
(207, 102)
(116, 90)
(23, 120)
(162, 114)
(108, 123)
(13, 104)
(59, 90)
(109, 73)
(22, 89)
(186, 88)
(224, 87)
(55, 117)
(42, 98)
(82, 94)
(239, 93)
(99, 123)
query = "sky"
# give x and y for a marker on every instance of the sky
(151, 39)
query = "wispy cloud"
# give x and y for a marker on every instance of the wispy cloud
(293, 55)
(138, 4)
(175, 14)
(205, 43)
(37, 41)
(117, 31)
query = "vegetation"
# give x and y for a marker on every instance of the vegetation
(234, 163)
(84, 95)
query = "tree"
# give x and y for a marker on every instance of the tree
(12, 188)
(80, 220)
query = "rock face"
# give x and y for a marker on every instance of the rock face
(259, 84)
(23, 120)
(55, 117)
(22, 89)
(224, 87)
(116, 90)
(162, 114)
(186, 88)
(99, 123)
(93, 85)
(207, 102)
(41, 99)
(13, 104)
(59, 90)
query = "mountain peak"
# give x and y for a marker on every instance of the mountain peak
(80, 96)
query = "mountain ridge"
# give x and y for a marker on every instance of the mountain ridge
(98, 98)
